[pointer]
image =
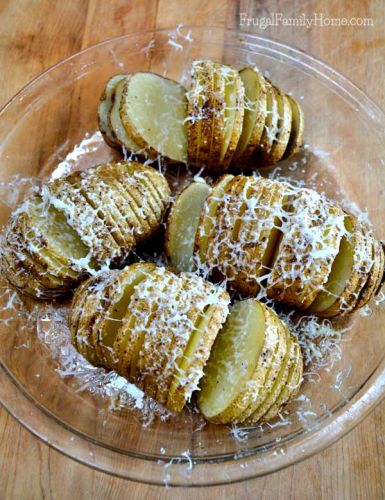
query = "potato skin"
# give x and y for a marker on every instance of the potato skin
(105, 210)
(155, 329)
(302, 250)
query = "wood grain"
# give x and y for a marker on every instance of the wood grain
(36, 34)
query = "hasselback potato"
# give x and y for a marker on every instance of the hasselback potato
(225, 118)
(78, 224)
(157, 328)
(270, 238)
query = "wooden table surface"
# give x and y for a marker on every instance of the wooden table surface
(34, 34)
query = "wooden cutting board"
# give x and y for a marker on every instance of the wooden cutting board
(34, 34)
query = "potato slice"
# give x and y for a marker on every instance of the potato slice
(270, 129)
(297, 128)
(201, 109)
(190, 368)
(116, 301)
(292, 385)
(344, 275)
(233, 358)
(115, 124)
(218, 121)
(284, 127)
(104, 108)
(256, 388)
(206, 223)
(87, 310)
(310, 242)
(279, 383)
(234, 111)
(153, 110)
(182, 225)
(375, 275)
(254, 115)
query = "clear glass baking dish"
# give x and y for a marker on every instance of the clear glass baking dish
(44, 124)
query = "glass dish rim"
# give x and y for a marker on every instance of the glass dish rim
(367, 400)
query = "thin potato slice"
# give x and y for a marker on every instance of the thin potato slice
(375, 275)
(201, 108)
(153, 110)
(115, 303)
(115, 123)
(234, 111)
(270, 129)
(206, 225)
(182, 225)
(291, 387)
(362, 262)
(297, 128)
(343, 279)
(279, 383)
(218, 121)
(254, 115)
(92, 306)
(233, 358)
(284, 127)
(104, 108)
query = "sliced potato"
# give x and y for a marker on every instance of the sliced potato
(374, 277)
(153, 110)
(233, 118)
(279, 382)
(190, 368)
(104, 108)
(182, 224)
(292, 385)
(284, 127)
(297, 128)
(233, 358)
(201, 108)
(258, 233)
(83, 218)
(344, 276)
(91, 307)
(310, 242)
(254, 115)
(206, 223)
(218, 121)
(270, 129)
(116, 301)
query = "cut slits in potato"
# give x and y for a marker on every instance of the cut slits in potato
(311, 235)
(206, 224)
(154, 327)
(201, 112)
(115, 304)
(153, 110)
(233, 115)
(81, 223)
(254, 115)
(182, 225)
(297, 128)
